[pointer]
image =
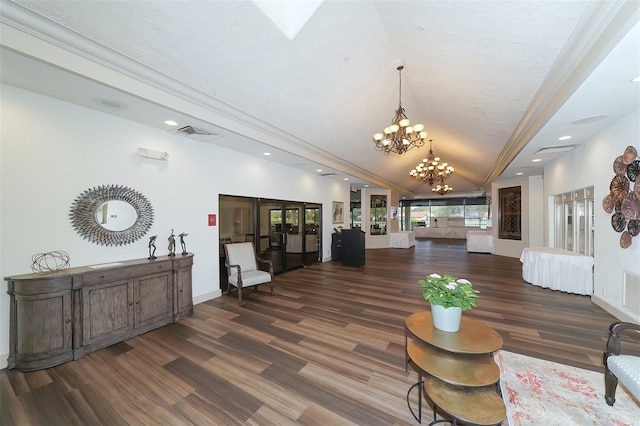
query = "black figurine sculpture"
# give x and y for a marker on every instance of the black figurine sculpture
(172, 244)
(182, 243)
(152, 247)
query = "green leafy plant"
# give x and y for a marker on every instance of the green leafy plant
(449, 291)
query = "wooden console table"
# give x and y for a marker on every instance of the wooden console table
(63, 315)
(456, 370)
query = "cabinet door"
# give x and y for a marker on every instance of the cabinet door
(43, 330)
(107, 312)
(185, 297)
(153, 300)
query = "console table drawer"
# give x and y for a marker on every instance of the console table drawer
(119, 273)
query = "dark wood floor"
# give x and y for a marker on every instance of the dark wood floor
(328, 349)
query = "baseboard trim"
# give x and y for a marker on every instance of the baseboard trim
(622, 316)
(207, 296)
(3, 361)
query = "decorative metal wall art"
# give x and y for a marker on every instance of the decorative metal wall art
(623, 199)
(89, 210)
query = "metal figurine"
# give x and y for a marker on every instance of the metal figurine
(172, 244)
(182, 243)
(152, 247)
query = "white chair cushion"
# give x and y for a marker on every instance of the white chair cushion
(250, 278)
(627, 369)
(242, 254)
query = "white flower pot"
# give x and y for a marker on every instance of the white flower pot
(446, 319)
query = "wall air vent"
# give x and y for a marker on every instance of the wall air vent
(196, 133)
(556, 149)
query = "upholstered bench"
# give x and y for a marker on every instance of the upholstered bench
(625, 368)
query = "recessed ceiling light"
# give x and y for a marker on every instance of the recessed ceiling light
(266, 153)
(346, 179)
(535, 160)
(636, 80)
(366, 186)
(519, 173)
(564, 138)
(170, 123)
(318, 170)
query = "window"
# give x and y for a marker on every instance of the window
(573, 221)
(443, 213)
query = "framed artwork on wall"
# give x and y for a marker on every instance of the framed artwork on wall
(510, 218)
(338, 208)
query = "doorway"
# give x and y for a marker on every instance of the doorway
(289, 233)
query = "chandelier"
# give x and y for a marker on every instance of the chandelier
(430, 170)
(442, 189)
(400, 137)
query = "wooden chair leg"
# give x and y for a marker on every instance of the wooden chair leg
(610, 385)
(239, 296)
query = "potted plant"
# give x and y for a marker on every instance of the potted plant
(449, 296)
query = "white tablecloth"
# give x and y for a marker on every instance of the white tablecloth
(558, 269)
(403, 239)
(480, 241)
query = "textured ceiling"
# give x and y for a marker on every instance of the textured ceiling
(474, 71)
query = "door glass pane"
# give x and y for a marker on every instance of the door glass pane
(313, 232)
(568, 236)
(590, 221)
(378, 219)
(294, 243)
(581, 231)
(559, 225)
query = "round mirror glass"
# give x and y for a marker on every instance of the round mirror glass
(116, 215)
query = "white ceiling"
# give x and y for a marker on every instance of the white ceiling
(493, 81)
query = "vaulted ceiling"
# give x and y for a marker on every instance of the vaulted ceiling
(312, 81)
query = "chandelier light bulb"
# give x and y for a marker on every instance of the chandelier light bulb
(401, 137)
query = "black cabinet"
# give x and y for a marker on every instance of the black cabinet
(336, 245)
(352, 250)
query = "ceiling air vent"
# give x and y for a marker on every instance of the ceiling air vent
(556, 149)
(196, 133)
(327, 174)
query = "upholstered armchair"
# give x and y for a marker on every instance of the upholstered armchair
(242, 268)
(618, 366)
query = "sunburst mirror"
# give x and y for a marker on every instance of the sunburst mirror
(111, 215)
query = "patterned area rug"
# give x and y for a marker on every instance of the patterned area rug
(538, 392)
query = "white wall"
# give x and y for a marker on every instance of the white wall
(591, 164)
(52, 151)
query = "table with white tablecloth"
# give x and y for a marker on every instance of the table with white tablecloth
(402, 239)
(558, 269)
(480, 242)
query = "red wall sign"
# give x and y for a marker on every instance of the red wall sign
(212, 220)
